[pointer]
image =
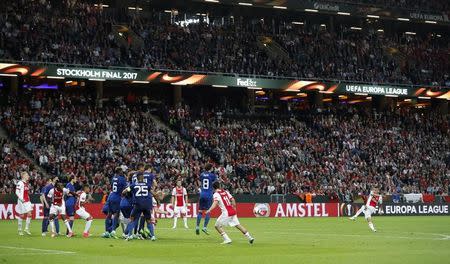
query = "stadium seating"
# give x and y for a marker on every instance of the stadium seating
(340, 53)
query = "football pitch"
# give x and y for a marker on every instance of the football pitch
(288, 240)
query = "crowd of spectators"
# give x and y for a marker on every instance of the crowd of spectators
(335, 151)
(80, 33)
(328, 153)
(69, 136)
(11, 164)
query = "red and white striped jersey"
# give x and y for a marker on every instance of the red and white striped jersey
(58, 196)
(224, 199)
(179, 193)
(81, 200)
(22, 191)
(374, 200)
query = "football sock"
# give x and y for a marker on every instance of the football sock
(107, 224)
(199, 219)
(45, 223)
(175, 221)
(113, 223)
(87, 226)
(248, 235)
(185, 220)
(52, 226)
(151, 228)
(372, 226)
(225, 236)
(19, 223)
(68, 225)
(27, 223)
(56, 225)
(207, 217)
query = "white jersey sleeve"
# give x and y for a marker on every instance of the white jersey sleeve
(174, 191)
(66, 191)
(184, 192)
(83, 197)
(20, 188)
(51, 193)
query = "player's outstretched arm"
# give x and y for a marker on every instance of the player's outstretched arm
(126, 190)
(214, 205)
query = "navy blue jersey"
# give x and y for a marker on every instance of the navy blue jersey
(148, 178)
(141, 193)
(206, 184)
(70, 200)
(46, 189)
(118, 184)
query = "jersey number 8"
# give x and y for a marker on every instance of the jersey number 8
(205, 184)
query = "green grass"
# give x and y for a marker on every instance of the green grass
(307, 240)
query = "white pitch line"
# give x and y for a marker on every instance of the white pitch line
(41, 251)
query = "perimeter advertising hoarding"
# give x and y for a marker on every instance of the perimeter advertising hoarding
(274, 210)
(277, 210)
(148, 76)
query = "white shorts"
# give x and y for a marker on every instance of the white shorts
(23, 208)
(58, 210)
(369, 211)
(82, 213)
(180, 209)
(225, 220)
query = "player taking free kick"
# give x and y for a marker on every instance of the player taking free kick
(227, 205)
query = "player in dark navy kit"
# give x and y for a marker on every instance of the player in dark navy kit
(46, 206)
(142, 197)
(207, 178)
(70, 202)
(118, 184)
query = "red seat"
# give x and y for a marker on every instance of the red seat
(428, 198)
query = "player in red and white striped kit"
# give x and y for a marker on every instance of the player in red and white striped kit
(179, 201)
(372, 203)
(227, 205)
(58, 207)
(81, 211)
(23, 203)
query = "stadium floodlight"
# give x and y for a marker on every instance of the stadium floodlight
(219, 86)
(410, 33)
(140, 82)
(424, 97)
(280, 7)
(402, 19)
(380, 30)
(326, 92)
(438, 35)
(55, 77)
(363, 94)
(212, 1)
(311, 10)
(343, 13)
(167, 11)
(8, 75)
(297, 23)
(391, 95)
(254, 88)
(369, 98)
(356, 28)
(430, 22)
(132, 8)
(97, 80)
(373, 16)
(245, 4)
(407, 100)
